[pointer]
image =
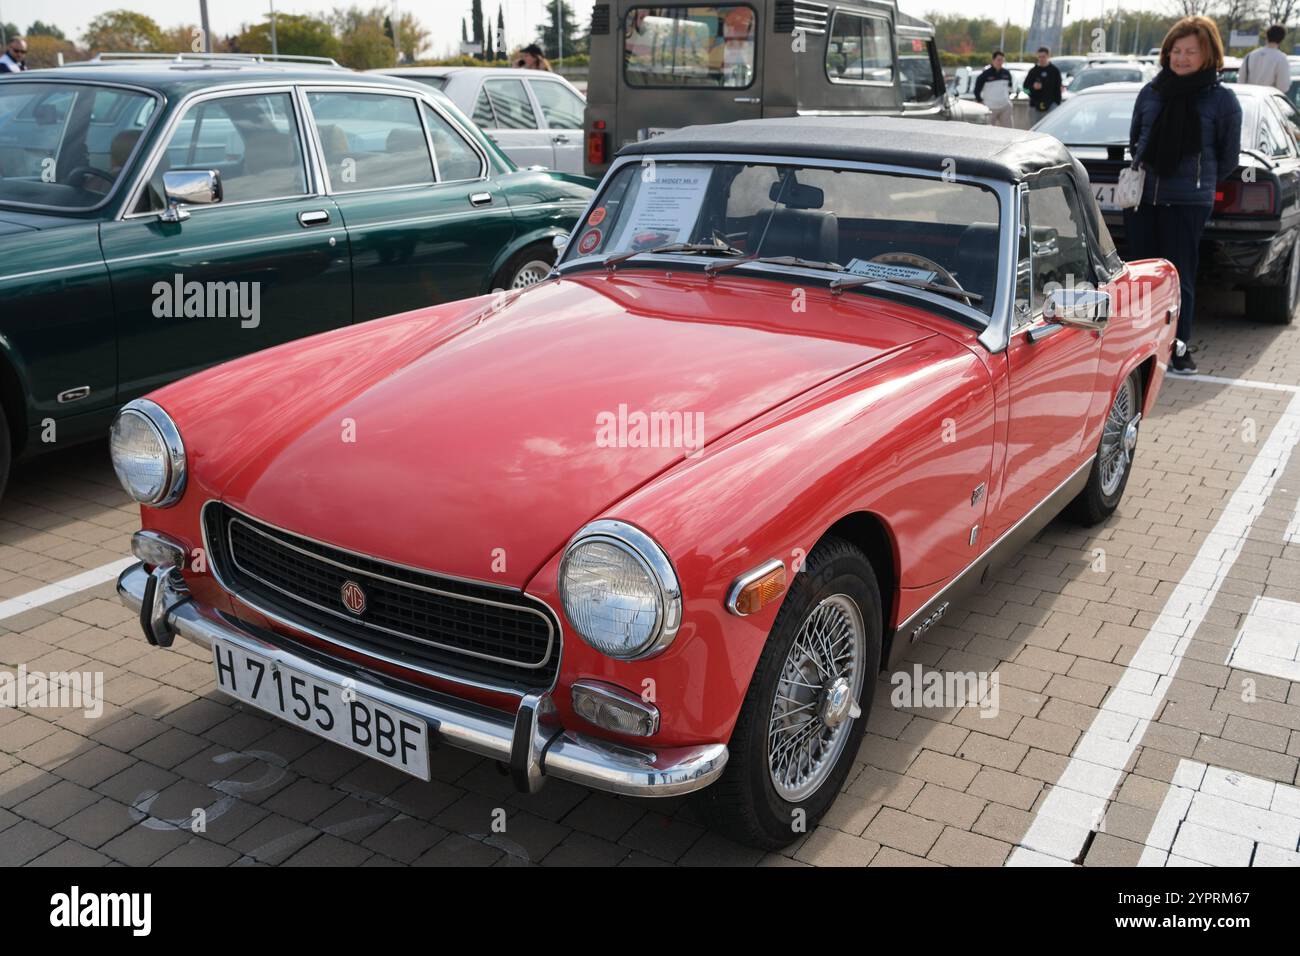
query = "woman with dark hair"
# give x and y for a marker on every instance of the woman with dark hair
(1186, 134)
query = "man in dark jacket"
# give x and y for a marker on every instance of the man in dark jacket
(1043, 84)
(993, 89)
(15, 58)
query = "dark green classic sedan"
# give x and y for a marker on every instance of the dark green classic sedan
(157, 217)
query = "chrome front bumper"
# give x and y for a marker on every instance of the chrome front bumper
(532, 747)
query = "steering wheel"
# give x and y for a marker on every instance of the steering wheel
(942, 275)
(76, 175)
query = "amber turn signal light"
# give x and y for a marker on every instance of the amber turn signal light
(757, 588)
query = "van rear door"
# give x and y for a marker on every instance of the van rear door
(672, 66)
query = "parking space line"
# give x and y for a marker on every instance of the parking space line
(1236, 382)
(61, 589)
(1077, 804)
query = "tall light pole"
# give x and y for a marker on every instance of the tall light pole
(203, 22)
(275, 47)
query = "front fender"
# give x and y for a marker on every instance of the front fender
(873, 440)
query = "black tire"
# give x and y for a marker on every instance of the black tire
(1277, 304)
(1095, 503)
(6, 453)
(745, 803)
(529, 258)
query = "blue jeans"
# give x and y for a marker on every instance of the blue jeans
(1173, 233)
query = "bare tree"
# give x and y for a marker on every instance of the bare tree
(1233, 13)
(1281, 11)
(1194, 8)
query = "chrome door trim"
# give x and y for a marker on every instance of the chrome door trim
(415, 95)
(182, 108)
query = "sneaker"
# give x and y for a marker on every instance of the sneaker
(1183, 365)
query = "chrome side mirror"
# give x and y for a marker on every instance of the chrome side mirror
(189, 187)
(559, 244)
(1080, 308)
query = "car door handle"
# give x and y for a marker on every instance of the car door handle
(315, 217)
(1040, 332)
(480, 199)
(561, 138)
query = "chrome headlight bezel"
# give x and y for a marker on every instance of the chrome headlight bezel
(654, 561)
(172, 450)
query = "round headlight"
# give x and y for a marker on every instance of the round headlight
(148, 455)
(619, 590)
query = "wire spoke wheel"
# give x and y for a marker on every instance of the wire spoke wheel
(816, 697)
(1119, 438)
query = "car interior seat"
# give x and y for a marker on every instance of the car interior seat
(806, 233)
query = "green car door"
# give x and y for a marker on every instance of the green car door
(267, 263)
(421, 231)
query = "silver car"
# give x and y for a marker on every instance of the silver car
(536, 117)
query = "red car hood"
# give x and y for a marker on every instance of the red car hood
(478, 448)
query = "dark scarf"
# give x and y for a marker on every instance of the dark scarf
(1176, 131)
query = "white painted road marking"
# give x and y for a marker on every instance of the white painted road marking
(1216, 817)
(1077, 804)
(61, 589)
(1269, 642)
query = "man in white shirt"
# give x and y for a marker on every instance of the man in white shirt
(993, 89)
(1268, 65)
(15, 58)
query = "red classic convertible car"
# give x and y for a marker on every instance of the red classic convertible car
(656, 524)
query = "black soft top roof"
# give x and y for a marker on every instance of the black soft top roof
(987, 151)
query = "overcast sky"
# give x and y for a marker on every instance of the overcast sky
(441, 17)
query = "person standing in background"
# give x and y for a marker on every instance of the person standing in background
(993, 89)
(531, 57)
(1043, 84)
(1268, 65)
(15, 58)
(1186, 134)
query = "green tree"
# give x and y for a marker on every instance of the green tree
(299, 35)
(411, 37)
(476, 19)
(41, 29)
(181, 39)
(122, 31)
(364, 44)
(549, 35)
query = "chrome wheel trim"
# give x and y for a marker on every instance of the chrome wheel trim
(1118, 438)
(530, 273)
(816, 698)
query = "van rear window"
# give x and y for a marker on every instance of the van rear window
(696, 46)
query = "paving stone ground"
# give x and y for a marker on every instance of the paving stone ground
(1210, 778)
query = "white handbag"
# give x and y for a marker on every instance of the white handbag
(1128, 190)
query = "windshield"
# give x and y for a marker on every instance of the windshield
(65, 145)
(1098, 77)
(866, 223)
(1097, 118)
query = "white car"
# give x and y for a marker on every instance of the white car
(534, 116)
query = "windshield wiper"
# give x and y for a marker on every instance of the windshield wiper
(717, 248)
(841, 283)
(801, 263)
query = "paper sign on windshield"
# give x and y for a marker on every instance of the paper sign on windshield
(666, 208)
(879, 270)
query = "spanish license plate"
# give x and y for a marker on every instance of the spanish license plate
(1105, 193)
(650, 132)
(325, 708)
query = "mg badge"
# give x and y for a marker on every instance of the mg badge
(354, 599)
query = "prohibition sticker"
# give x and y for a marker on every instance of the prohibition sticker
(597, 216)
(590, 240)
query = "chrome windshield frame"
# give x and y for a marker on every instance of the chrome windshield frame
(995, 333)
